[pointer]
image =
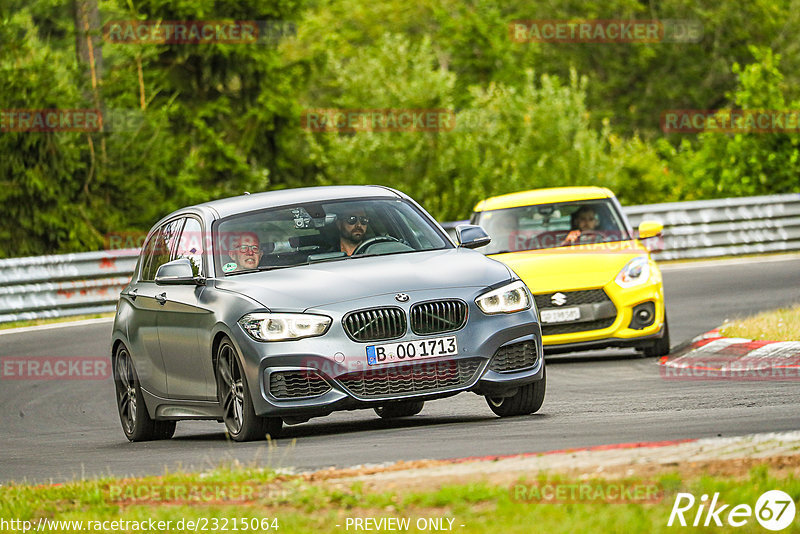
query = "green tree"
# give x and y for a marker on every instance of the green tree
(742, 164)
(42, 172)
(208, 121)
(534, 133)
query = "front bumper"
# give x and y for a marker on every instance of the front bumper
(336, 367)
(622, 332)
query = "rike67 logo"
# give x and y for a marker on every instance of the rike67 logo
(774, 510)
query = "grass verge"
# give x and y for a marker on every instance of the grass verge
(294, 504)
(776, 325)
(53, 320)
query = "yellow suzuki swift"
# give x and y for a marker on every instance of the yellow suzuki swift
(591, 274)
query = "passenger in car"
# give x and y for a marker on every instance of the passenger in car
(246, 253)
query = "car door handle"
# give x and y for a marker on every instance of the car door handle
(162, 298)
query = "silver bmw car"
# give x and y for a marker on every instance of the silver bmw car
(277, 307)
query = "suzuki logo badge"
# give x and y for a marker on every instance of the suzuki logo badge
(559, 299)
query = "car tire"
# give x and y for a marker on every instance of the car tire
(527, 400)
(233, 393)
(136, 421)
(661, 346)
(397, 409)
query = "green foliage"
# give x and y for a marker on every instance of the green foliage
(740, 164)
(529, 134)
(395, 74)
(630, 84)
(211, 123)
(42, 173)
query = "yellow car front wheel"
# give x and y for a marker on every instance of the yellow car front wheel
(661, 346)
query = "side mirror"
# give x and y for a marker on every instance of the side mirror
(176, 272)
(649, 230)
(472, 236)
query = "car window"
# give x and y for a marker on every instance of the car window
(163, 248)
(310, 232)
(544, 226)
(190, 245)
(148, 251)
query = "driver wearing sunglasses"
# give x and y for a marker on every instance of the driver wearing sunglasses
(352, 229)
(246, 253)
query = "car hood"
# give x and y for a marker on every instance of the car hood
(571, 268)
(321, 284)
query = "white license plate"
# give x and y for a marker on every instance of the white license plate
(411, 350)
(560, 316)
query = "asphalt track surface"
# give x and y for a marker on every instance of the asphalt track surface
(59, 430)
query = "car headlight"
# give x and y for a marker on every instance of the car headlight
(635, 272)
(284, 326)
(507, 299)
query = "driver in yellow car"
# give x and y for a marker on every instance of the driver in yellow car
(352, 229)
(584, 219)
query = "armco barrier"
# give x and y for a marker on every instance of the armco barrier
(723, 227)
(63, 285)
(90, 282)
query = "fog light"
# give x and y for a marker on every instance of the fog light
(644, 315)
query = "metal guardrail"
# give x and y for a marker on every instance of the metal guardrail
(90, 282)
(63, 285)
(724, 227)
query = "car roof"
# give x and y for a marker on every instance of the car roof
(543, 196)
(244, 203)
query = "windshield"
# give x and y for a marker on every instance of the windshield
(559, 224)
(322, 231)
